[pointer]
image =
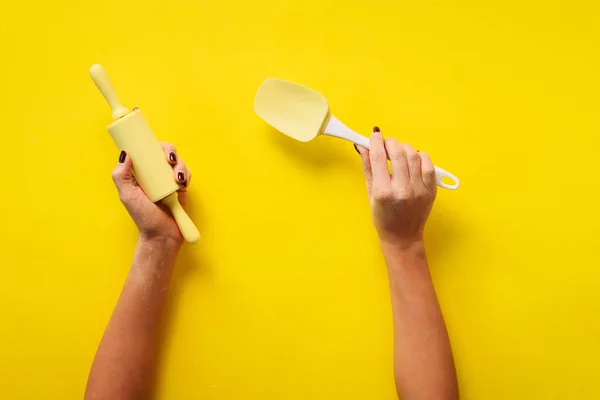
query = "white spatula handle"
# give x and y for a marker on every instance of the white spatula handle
(336, 129)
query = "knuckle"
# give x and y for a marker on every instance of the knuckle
(399, 159)
(378, 155)
(414, 157)
(397, 155)
(115, 174)
(429, 171)
(382, 193)
(404, 194)
(422, 195)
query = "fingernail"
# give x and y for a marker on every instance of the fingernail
(376, 129)
(122, 157)
(184, 183)
(356, 148)
(172, 157)
(135, 108)
(180, 176)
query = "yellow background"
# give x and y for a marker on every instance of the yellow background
(286, 295)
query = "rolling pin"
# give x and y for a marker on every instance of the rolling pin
(131, 133)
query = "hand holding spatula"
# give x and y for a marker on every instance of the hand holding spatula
(303, 114)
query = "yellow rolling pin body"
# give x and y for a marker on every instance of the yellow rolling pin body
(131, 133)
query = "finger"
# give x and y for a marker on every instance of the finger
(170, 152)
(428, 173)
(398, 160)
(180, 177)
(123, 176)
(414, 163)
(183, 179)
(181, 172)
(366, 164)
(378, 159)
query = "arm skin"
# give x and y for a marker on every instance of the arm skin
(400, 205)
(124, 364)
(423, 363)
(123, 368)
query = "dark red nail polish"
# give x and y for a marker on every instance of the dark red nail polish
(172, 157)
(356, 148)
(122, 157)
(376, 129)
(180, 176)
(184, 183)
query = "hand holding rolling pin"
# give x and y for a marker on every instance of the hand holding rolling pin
(153, 220)
(150, 162)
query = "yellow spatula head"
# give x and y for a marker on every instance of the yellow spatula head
(292, 109)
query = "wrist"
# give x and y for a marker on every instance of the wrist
(164, 244)
(153, 263)
(404, 255)
(403, 246)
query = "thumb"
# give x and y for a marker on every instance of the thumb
(122, 175)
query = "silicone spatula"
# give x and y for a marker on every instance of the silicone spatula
(303, 114)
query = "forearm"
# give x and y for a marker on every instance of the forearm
(423, 363)
(124, 363)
